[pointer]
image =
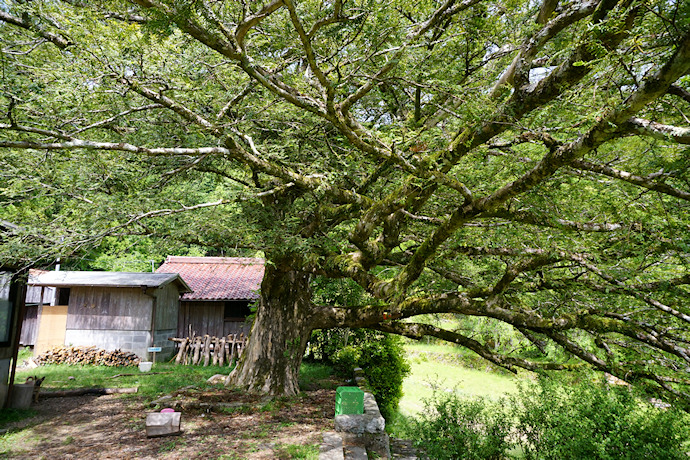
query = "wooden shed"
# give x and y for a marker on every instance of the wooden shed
(109, 310)
(12, 291)
(223, 290)
(36, 298)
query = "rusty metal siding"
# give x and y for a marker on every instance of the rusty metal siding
(103, 308)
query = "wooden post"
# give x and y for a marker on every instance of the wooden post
(214, 361)
(240, 346)
(231, 350)
(207, 349)
(197, 350)
(221, 351)
(182, 351)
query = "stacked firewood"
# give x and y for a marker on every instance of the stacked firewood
(87, 355)
(207, 349)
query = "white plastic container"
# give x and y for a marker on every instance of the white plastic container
(22, 395)
(145, 366)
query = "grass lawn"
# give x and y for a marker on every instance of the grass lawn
(163, 379)
(437, 367)
(218, 423)
(225, 424)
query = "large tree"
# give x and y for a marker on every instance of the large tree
(520, 162)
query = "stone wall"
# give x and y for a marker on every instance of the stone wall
(367, 430)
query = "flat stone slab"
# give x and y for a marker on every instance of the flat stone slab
(332, 447)
(355, 453)
(163, 424)
(360, 423)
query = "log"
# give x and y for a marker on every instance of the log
(221, 351)
(197, 350)
(232, 350)
(140, 373)
(240, 346)
(216, 341)
(87, 355)
(87, 391)
(194, 348)
(207, 349)
(181, 352)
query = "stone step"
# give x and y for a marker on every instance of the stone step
(331, 447)
(402, 449)
(355, 453)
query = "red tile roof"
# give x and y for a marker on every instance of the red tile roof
(217, 278)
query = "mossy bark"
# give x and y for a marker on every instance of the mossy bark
(282, 327)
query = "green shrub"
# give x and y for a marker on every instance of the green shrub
(551, 419)
(454, 428)
(380, 355)
(595, 421)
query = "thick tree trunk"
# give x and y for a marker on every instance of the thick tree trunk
(282, 327)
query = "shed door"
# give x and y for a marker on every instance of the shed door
(51, 328)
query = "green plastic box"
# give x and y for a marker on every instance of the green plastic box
(349, 400)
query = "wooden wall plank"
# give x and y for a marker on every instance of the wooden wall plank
(167, 306)
(205, 318)
(235, 327)
(109, 308)
(29, 326)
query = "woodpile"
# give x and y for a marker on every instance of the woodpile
(88, 355)
(206, 349)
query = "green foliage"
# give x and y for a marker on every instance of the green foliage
(380, 355)
(453, 428)
(557, 420)
(550, 419)
(315, 375)
(366, 143)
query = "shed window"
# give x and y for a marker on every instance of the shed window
(63, 296)
(236, 310)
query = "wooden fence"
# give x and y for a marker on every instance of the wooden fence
(207, 350)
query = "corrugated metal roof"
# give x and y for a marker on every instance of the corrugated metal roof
(106, 279)
(218, 278)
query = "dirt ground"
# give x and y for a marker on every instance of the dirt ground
(216, 425)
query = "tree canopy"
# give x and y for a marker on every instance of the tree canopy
(519, 161)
